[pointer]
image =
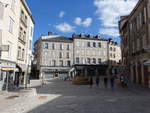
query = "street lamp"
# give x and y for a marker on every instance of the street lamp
(27, 75)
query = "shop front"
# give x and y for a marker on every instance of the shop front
(7, 75)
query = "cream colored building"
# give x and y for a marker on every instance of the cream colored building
(54, 55)
(10, 24)
(26, 25)
(90, 50)
(114, 53)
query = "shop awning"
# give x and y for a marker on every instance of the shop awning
(7, 69)
(147, 63)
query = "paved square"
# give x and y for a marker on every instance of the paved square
(83, 99)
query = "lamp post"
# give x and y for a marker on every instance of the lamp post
(27, 75)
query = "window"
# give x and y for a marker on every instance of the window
(13, 5)
(61, 63)
(88, 60)
(53, 46)
(68, 47)
(31, 32)
(77, 60)
(68, 63)
(99, 45)
(68, 56)
(133, 47)
(77, 44)
(20, 33)
(137, 22)
(99, 61)
(94, 44)
(145, 14)
(110, 48)
(140, 19)
(30, 44)
(23, 52)
(110, 55)
(25, 20)
(138, 44)
(94, 61)
(1, 11)
(46, 45)
(143, 17)
(19, 52)
(114, 56)
(10, 50)
(82, 44)
(11, 25)
(61, 47)
(144, 41)
(60, 55)
(88, 44)
(24, 36)
(22, 15)
(53, 63)
(114, 49)
(131, 26)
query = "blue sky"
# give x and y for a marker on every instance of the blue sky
(65, 17)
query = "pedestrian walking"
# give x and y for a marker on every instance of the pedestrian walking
(112, 82)
(91, 82)
(97, 81)
(105, 82)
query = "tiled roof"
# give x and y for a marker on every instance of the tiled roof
(85, 37)
(59, 39)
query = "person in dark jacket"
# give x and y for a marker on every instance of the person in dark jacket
(105, 82)
(97, 81)
(112, 82)
(91, 82)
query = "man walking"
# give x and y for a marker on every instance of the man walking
(105, 82)
(112, 82)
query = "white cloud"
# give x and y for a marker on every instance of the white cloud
(61, 14)
(109, 11)
(65, 27)
(86, 23)
(109, 31)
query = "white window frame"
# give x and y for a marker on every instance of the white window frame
(11, 25)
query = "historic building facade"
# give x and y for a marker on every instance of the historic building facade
(82, 54)
(10, 23)
(135, 32)
(114, 53)
(25, 34)
(54, 55)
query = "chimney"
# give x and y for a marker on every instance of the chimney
(50, 33)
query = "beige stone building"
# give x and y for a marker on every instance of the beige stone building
(90, 50)
(25, 34)
(54, 55)
(135, 28)
(114, 53)
(10, 24)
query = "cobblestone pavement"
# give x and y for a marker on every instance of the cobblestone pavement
(83, 99)
(62, 97)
